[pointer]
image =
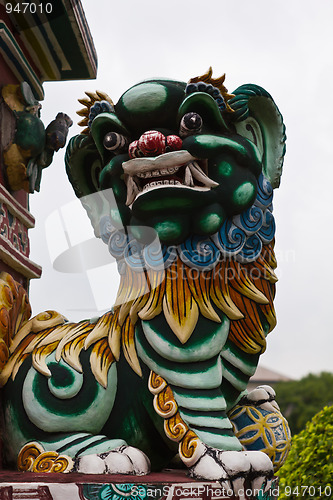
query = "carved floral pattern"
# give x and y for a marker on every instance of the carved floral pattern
(13, 230)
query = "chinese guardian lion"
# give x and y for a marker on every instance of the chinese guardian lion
(177, 179)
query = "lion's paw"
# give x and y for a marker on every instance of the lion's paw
(237, 471)
(263, 396)
(122, 460)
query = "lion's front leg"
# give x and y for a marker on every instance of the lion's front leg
(207, 445)
(187, 395)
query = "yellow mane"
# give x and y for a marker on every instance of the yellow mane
(243, 292)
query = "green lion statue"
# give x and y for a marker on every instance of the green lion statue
(177, 180)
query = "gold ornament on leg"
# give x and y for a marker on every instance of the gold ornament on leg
(34, 458)
(190, 446)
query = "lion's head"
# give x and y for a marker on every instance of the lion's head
(179, 158)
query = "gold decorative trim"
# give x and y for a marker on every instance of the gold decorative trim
(28, 455)
(156, 383)
(52, 462)
(4, 354)
(174, 428)
(190, 446)
(216, 82)
(15, 310)
(164, 403)
(34, 458)
(87, 103)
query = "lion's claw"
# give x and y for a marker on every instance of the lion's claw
(122, 460)
(263, 396)
(234, 469)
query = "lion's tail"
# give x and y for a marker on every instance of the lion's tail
(50, 331)
(15, 311)
(15, 319)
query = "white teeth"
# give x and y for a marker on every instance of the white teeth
(200, 176)
(173, 159)
(193, 172)
(161, 183)
(158, 173)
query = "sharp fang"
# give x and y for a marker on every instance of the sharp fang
(188, 180)
(200, 176)
(132, 191)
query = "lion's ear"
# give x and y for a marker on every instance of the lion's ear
(83, 166)
(257, 118)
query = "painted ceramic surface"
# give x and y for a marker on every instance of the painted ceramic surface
(129, 491)
(30, 147)
(201, 491)
(177, 180)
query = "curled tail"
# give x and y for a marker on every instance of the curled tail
(15, 311)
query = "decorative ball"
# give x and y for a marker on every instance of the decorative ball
(261, 430)
(134, 151)
(152, 143)
(173, 143)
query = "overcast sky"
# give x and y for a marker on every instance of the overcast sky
(284, 46)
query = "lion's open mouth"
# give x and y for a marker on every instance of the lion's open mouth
(173, 169)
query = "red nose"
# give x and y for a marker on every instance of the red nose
(153, 143)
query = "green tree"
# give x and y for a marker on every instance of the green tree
(308, 471)
(300, 400)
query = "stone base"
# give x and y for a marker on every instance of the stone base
(166, 485)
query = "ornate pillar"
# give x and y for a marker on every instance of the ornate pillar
(32, 51)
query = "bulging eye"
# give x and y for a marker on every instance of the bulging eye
(115, 142)
(190, 124)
